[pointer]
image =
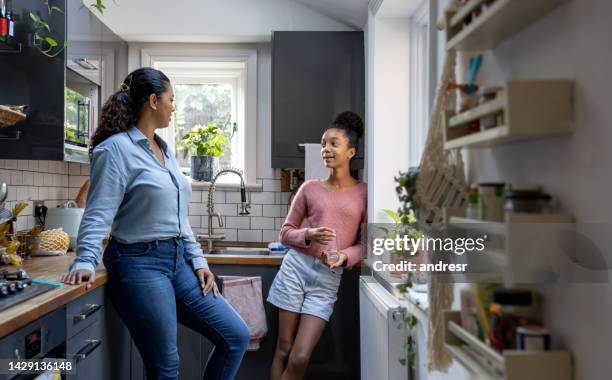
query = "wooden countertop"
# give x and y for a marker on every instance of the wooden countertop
(50, 269)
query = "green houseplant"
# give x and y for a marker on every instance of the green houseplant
(206, 144)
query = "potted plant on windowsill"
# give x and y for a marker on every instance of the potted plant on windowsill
(206, 144)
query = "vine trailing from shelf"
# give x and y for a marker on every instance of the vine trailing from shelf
(43, 39)
(408, 355)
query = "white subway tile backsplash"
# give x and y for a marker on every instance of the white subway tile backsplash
(28, 178)
(272, 210)
(255, 210)
(232, 197)
(196, 197)
(16, 178)
(278, 223)
(271, 185)
(197, 209)
(48, 179)
(227, 209)
(264, 197)
(56, 181)
(77, 180)
(249, 235)
(284, 198)
(269, 236)
(39, 179)
(74, 168)
(230, 234)
(73, 192)
(262, 223)
(33, 165)
(238, 222)
(220, 197)
(195, 221)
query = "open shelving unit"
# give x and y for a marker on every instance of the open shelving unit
(530, 109)
(525, 247)
(496, 21)
(485, 363)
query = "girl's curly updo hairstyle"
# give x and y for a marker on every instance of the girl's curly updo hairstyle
(351, 124)
(122, 109)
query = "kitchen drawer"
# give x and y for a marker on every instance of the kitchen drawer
(87, 349)
(84, 311)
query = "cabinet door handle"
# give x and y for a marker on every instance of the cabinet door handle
(90, 310)
(84, 352)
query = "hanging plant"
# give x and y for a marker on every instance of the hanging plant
(43, 40)
(98, 5)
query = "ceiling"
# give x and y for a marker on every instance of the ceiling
(227, 20)
(351, 12)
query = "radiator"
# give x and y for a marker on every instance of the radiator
(382, 332)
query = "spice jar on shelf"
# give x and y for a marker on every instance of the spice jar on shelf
(527, 200)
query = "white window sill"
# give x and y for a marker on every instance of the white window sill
(200, 185)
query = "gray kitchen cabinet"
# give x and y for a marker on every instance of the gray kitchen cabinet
(195, 349)
(336, 355)
(315, 76)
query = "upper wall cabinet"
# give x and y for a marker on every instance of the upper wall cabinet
(31, 78)
(315, 76)
(64, 92)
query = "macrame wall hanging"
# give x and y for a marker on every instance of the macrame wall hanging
(440, 184)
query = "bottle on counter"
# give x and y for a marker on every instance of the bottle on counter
(11, 26)
(4, 24)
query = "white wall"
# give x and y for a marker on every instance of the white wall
(211, 20)
(387, 81)
(570, 42)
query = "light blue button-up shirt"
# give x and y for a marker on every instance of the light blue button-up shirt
(135, 198)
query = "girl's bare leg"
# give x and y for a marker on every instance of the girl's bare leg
(307, 337)
(287, 327)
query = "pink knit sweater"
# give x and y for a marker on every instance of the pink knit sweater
(344, 211)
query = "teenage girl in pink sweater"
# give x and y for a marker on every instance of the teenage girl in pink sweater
(306, 286)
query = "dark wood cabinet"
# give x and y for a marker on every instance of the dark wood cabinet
(315, 76)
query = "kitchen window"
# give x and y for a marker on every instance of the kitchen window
(211, 87)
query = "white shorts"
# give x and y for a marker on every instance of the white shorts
(305, 285)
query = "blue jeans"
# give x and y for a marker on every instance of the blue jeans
(152, 287)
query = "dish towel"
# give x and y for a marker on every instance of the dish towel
(244, 294)
(314, 167)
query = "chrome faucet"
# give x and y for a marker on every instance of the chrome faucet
(210, 237)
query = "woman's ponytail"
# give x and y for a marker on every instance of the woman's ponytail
(122, 109)
(116, 117)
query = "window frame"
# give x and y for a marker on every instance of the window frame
(247, 83)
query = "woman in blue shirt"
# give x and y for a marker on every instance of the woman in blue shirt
(157, 273)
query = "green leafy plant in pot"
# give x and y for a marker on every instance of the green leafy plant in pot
(206, 144)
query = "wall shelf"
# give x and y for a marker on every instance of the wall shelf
(495, 22)
(530, 109)
(10, 49)
(525, 247)
(484, 362)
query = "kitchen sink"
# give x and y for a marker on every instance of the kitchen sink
(243, 251)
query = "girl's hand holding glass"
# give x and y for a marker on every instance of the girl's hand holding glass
(322, 235)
